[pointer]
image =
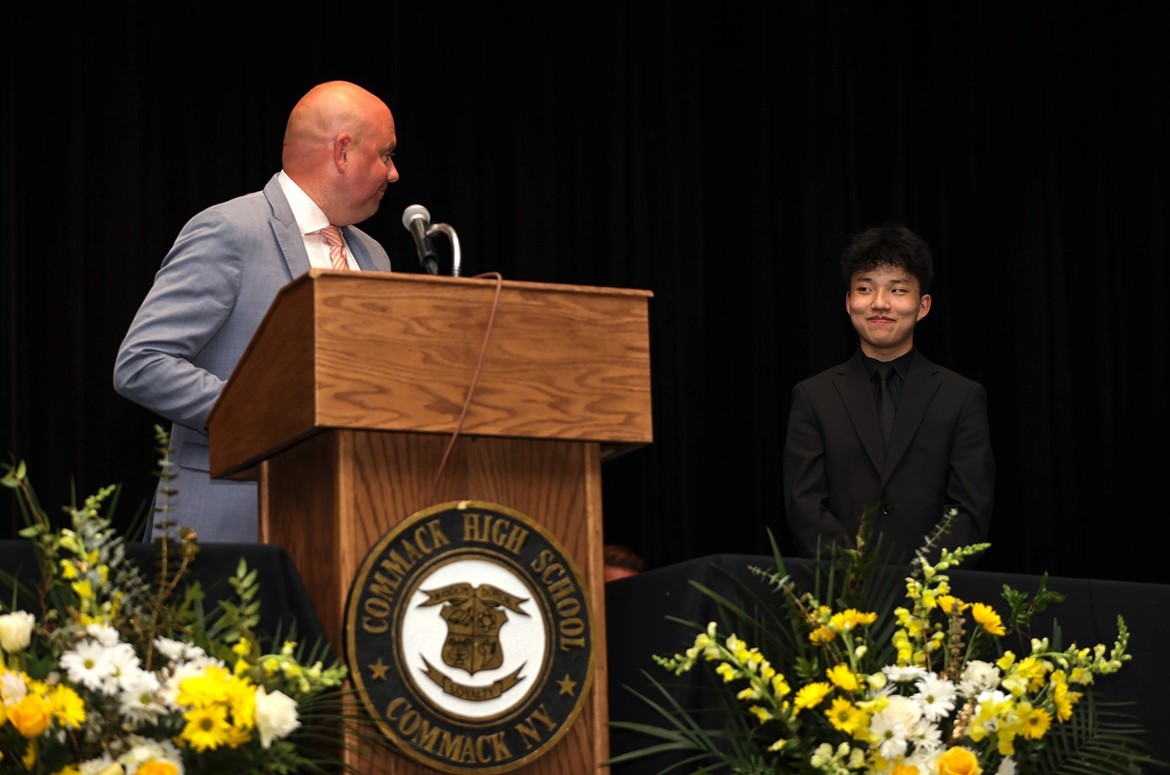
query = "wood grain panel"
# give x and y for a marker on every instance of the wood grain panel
(334, 495)
(384, 351)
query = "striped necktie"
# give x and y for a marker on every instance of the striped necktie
(332, 235)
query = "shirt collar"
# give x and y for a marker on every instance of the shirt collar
(309, 217)
(901, 364)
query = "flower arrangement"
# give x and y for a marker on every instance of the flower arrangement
(117, 676)
(860, 683)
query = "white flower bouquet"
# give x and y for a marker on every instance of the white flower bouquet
(117, 676)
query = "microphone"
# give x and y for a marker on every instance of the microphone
(417, 219)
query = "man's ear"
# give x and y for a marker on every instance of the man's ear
(924, 306)
(341, 151)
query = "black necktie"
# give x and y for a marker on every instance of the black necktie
(886, 405)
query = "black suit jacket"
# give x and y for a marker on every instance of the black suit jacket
(835, 467)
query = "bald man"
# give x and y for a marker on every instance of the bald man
(222, 273)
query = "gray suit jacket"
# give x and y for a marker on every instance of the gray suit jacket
(214, 287)
(836, 467)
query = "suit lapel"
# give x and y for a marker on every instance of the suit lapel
(358, 249)
(285, 230)
(853, 385)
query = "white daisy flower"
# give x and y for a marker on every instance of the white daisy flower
(894, 725)
(139, 699)
(903, 674)
(102, 633)
(936, 696)
(125, 663)
(88, 664)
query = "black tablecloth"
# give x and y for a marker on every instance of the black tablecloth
(637, 626)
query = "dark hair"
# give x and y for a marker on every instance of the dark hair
(890, 244)
(619, 556)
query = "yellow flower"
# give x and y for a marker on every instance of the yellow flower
(67, 707)
(821, 635)
(958, 761)
(1005, 738)
(241, 697)
(762, 714)
(844, 716)
(988, 717)
(847, 620)
(239, 734)
(904, 646)
(153, 767)
(843, 678)
(30, 715)
(811, 695)
(1036, 723)
(987, 618)
(83, 589)
(904, 769)
(949, 604)
(1062, 699)
(1033, 671)
(204, 689)
(207, 728)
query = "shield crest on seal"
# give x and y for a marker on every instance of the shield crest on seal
(474, 616)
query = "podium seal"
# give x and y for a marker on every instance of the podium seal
(469, 638)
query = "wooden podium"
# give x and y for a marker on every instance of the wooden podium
(347, 399)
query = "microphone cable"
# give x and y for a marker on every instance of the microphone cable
(474, 379)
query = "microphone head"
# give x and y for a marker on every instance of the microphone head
(413, 212)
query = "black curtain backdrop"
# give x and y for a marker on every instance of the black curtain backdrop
(717, 154)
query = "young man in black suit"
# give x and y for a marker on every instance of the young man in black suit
(838, 463)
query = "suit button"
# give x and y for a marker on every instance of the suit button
(887, 510)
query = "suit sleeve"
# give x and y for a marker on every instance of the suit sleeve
(805, 482)
(971, 483)
(194, 292)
